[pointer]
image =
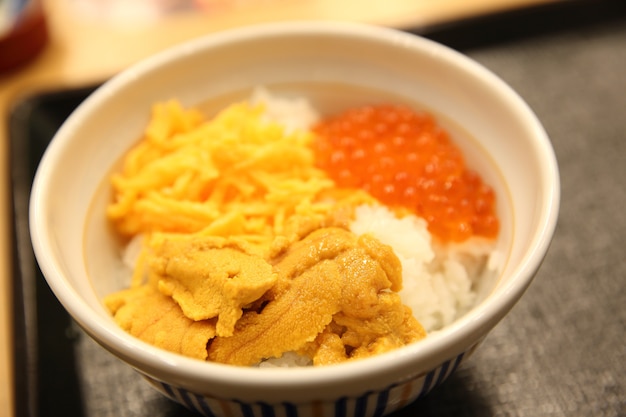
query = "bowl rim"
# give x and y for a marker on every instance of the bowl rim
(440, 346)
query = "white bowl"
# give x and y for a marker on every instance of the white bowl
(500, 135)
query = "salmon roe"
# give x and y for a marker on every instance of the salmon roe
(404, 159)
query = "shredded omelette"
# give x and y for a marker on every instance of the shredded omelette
(246, 252)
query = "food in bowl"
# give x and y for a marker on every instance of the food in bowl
(270, 235)
(331, 64)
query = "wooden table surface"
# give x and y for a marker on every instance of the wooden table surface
(84, 49)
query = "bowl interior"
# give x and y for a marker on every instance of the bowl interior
(334, 66)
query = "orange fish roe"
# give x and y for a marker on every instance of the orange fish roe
(403, 158)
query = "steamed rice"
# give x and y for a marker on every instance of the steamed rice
(437, 282)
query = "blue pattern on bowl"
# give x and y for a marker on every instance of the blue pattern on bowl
(370, 404)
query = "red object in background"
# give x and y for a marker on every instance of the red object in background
(25, 39)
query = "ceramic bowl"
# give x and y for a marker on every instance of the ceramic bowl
(335, 64)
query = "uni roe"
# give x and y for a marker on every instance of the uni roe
(404, 159)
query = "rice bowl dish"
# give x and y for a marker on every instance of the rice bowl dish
(82, 256)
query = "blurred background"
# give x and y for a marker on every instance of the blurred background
(90, 39)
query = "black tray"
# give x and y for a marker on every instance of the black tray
(59, 371)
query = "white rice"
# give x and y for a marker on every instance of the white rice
(438, 283)
(293, 113)
(287, 360)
